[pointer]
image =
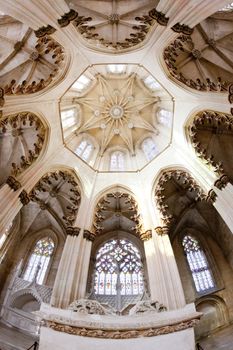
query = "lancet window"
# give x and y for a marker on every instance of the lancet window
(117, 161)
(149, 148)
(38, 262)
(84, 150)
(69, 118)
(198, 264)
(118, 269)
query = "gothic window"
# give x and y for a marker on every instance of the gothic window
(198, 264)
(84, 150)
(164, 117)
(149, 148)
(117, 161)
(69, 118)
(81, 83)
(39, 260)
(118, 269)
(151, 83)
(116, 68)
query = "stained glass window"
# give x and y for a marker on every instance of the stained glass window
(149, 148)
(118, 269)
(39, 260)
(84, 150)
(117, 161)
(198, 264)
(116, 68)
(81, 83)
(151, 83)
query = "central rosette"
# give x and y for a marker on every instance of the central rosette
(116, 112)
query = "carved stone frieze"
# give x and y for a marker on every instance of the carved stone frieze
(90, 236)
(24, 197)
(221, 182)
(89, 307)
(145, 236)
(120, 334)
(147, 307)
(45, 30)
(13, 183)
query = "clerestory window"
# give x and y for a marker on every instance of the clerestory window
(117, 161)
(84, 150)
(118, 269)
(38, 262)
(149, 148)
(198, 264)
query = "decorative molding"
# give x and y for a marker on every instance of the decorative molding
(67, 18)
(2, 100)
(90, 236)
(222, 182)
(13, 183)
(147, 307)
(145, 236)
(72, 231)
(120, 334)
(162, 230)
(90, 307)
(24, 197)
(182, 28)
(45, 30)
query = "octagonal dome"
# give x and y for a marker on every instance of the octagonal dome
(116, 117)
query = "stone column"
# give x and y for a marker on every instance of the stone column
(174, 288)
(12, 198)
(224, 200)
(63, 285)
(154, 268)
(165, 283)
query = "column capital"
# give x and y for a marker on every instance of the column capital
(145, 236)
(24, 197)
(222, 182)
(162, 230)
(72, 231)
(212, 196)
(13, 183)
(88, 235)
